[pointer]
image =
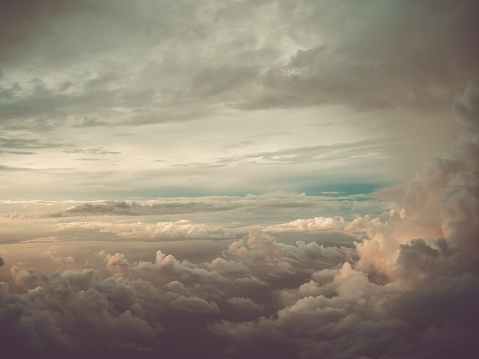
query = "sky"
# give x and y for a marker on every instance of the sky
(240, 179)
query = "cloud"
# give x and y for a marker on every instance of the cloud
(134, 307)
(408, 288)
(413, 296)
(194, 304)
(466, 107)
(199, 61)
(311, 224)
(244, 303)
(336, 152)
(134, 209)
(359, 60)
(161, 230)
(444, 195)
(300, 300)
(27, 143)
(220, 205)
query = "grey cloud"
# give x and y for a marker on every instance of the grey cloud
(90, 122)
(214, 82)
(92, 151)
(14, 169)
(27, 143)
(261, 297)
(194, 304)
(18, 20)
(336, 152)
(205, 205)
(135, 209)
(466, 105)
(424, 310)
(244, 303)
(38, 107)
(387, 55)
(420, 264)
(292, 301)
(441, 316)
(444, 194)
(199, 59)
(138, 308)
(18, 152)
(339, 307)
(112, 32)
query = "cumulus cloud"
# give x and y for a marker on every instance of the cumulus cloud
(260, 296)
(134, 308)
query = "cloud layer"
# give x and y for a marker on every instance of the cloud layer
(175, 113)
(408, 289)
(190, 99)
